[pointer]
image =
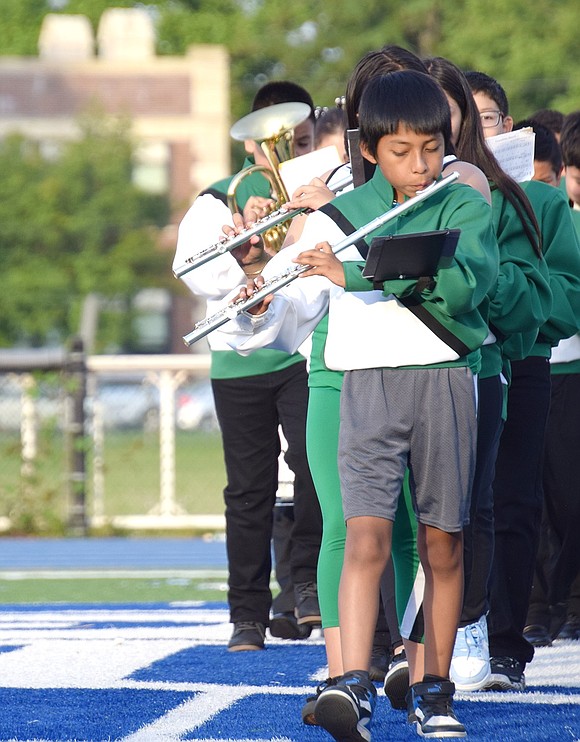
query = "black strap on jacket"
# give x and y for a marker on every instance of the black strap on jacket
(347, 227)
(411, 303)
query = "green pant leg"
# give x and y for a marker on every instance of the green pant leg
(322, 448)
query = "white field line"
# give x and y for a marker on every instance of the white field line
(113, 574)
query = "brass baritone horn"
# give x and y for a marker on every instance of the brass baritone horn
(273, 128)
(231, 311)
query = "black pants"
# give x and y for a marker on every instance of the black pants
(282, 528)
(478, 536)
(560, 554)
(249, 411)
(517, 497)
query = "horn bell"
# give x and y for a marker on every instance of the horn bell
(270, 122)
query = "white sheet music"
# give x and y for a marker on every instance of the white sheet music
(301, 170)
(515, 152)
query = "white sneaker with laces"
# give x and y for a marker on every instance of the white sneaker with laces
(470, 667)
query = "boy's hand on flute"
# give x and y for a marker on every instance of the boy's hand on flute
(323, 262)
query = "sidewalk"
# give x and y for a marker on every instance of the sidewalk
(111, 553)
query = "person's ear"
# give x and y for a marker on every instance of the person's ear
(508, 124)
(366, 154)
(249, 146)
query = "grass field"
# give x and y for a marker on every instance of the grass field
(118, 589)
(132, 472)
(129, 474)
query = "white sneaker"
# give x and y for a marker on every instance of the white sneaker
(470, 668)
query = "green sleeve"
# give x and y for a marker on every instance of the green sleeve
(355, 281)
(463, 286)
(523, 298)
(561, 249)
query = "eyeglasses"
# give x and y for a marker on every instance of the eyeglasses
(489, 119)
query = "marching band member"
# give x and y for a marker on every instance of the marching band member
(253, 395)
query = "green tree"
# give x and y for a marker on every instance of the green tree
(73, 225)
(531, 48)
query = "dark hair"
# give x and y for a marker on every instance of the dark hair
(546, 147)
(408, 98)
(550, 118)
(282, 91)
(479, 82)
(389, 58)
(329, 121)
(471, 145)
(570, 140)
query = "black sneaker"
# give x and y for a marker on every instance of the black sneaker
(571, 628)
(411, 715)
(345, 710)
(433, 706)
(285, 626)
(397, 681)
(380, 658)
(537, 635)
(308, 716)
(247, 636)
(506, 674)
(307, 608)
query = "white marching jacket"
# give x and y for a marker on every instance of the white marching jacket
(567, 350)
(365, 329)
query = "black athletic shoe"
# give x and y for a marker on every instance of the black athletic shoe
(571, 628)
(307, 608)
(397, 681)
(380, 659)
(537, 635)
(345, 710)
(506, 674)
(433, 706)
(411, 715)
(308, 716)
(247, 636)
(285, 626)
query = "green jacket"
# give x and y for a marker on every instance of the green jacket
(561, 249)
(457, 305)
(571, 366)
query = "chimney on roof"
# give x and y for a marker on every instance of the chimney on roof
(66, 37)
(126, 33)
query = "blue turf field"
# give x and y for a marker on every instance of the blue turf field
(162, 673)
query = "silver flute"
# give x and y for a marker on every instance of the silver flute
(262, 225)
(233, 310)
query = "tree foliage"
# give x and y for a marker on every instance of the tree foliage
(74, 225)
(531, 49)
(71, 226)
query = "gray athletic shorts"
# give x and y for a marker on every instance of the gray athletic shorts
(421, 418)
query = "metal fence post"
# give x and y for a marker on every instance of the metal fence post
(77, 376)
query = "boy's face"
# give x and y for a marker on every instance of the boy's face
(572, 175)
(545, 173)
(304, 138)
(409, 161)
(492, 119)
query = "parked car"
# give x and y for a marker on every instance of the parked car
(127, 403)
(196, 407)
